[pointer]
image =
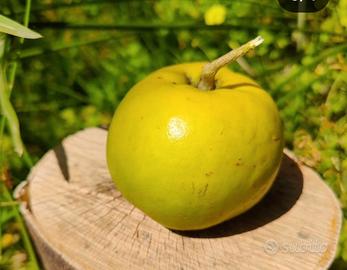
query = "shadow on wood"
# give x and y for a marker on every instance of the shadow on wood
(279, 200)
(60, 154)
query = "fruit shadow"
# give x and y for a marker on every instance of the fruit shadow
(282, 196)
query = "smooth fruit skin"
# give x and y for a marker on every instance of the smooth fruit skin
(190, 158)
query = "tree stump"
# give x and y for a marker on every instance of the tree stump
(79, 220)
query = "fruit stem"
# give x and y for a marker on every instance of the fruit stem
(209, 71)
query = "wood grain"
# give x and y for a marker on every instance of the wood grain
(79, 220)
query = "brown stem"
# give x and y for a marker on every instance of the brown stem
(209, 70)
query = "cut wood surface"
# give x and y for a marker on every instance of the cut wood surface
(79, 220)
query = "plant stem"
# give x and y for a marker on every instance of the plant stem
(145, 27)
(6, 106)
(0, 217)
(209, 71)
(12, 73)
(301, 35)
(10, 203)
(35, 51)
(10, 114)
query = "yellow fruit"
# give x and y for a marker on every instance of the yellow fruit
(190, 158)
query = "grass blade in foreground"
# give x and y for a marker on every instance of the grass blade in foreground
(11, 27)
(5, 105)
(10, 114)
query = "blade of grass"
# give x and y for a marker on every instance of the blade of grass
(5, 215)
(2, 129)
(73, 4)
(8, 110)
(6, 107)
(54, 6)
(21, 41)
(301, 25)
(140, 27)
(11, 27)
(1, 218)
(148, 27)
(7, 204)
(14, 126)
(323, 55)
(30, 52)
(23, 231)
(11, 118)
(287, 97)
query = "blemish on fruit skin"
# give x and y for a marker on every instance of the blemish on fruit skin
(159, 77)
(208, 174)
(203, 191)
(238, 162)
(174, 82)
(189, 80)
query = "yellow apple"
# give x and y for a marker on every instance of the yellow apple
(191, 158)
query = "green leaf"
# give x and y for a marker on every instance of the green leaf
(10, 114)
(11, 27)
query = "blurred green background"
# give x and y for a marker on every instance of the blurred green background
(93, 51)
